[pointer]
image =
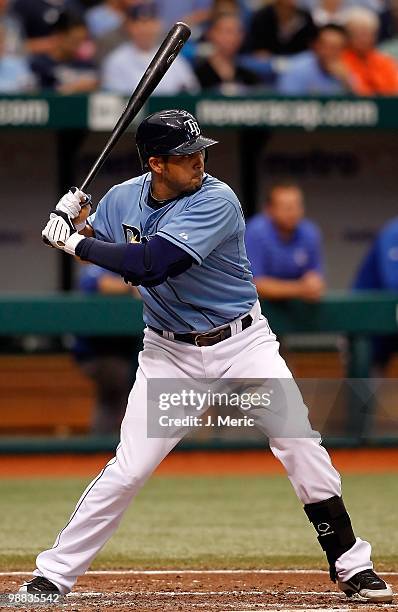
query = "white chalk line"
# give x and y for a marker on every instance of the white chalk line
(294, 609)
(256, 592)
(305, 607)
(187, 572)
(204, 593)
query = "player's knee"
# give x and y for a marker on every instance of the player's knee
(132, 480)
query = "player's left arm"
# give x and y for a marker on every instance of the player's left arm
(149, 263)
(189, 237)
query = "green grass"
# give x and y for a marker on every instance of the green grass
(206, 522)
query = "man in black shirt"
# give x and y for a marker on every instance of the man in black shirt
(221, 69)
(39, 18)
(280, 28)
(61, 68)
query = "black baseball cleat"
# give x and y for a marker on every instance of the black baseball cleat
(39, 586)
(368, 586)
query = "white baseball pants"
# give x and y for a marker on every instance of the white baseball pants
(252, 353)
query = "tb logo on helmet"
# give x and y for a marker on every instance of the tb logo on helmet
(193, 127)
(169, 132)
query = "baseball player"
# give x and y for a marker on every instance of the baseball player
(178, 234)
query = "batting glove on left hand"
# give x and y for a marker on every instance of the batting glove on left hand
(61, 233)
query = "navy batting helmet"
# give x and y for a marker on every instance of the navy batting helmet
(169, 132)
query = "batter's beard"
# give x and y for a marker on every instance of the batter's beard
(199, 186)
(194, 189)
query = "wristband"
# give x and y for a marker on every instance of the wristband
(80, 226)
(72, 242)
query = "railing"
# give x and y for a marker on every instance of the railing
(357, 316)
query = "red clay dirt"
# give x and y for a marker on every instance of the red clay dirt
(210, 592)
(358, 461)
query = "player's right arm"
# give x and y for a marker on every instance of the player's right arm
(148, 263)
(77, 205)
(81, 220)
(88, 232)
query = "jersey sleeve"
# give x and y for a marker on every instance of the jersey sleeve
(202, 226)
(100, 220)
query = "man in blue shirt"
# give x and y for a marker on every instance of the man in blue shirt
(178, 234)
(15, 76)
(378, 271)
(284, 249)
(320, 71)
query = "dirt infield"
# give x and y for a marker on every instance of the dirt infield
(358, 461)
(208, 591)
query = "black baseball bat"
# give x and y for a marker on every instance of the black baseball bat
(165, 56)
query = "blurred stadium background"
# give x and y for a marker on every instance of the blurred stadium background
(56, 110)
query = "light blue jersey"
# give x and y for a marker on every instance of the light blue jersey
(209, 225)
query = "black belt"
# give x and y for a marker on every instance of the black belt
(206, 338)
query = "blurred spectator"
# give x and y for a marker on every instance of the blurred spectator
(108, 16)
(61, 68)
(15, 76)
(280, 28)
(107, 360)
(12, 29)
(243, 8)
(193, 12)
(380, 7)
(320, 71)
(378, 271)
(375, 72)
(387, 28)
(107, 25)
(284, 248)
(39, 19)
(329, 11)
(221, 70)
(123, 68)
(390, 46)
(105, 44)
(377, 6)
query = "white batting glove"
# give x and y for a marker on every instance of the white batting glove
(58, 229)
(61, 233)
(71, 204)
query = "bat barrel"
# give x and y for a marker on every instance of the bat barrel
(165, 56)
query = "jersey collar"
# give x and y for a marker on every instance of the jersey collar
(157, 204)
